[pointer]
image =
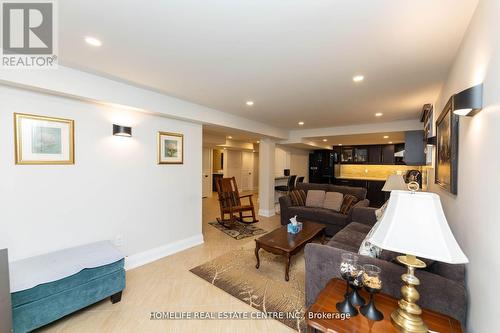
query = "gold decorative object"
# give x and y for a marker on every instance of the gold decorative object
(407, 317)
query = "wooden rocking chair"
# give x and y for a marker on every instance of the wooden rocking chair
(230, 203)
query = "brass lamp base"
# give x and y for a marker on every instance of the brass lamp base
(407, 318)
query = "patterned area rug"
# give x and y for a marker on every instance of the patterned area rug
(265, 288)
(239, 230)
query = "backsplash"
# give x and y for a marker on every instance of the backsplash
(375, 171)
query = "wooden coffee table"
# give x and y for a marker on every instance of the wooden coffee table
(281, 242)
(316, 315)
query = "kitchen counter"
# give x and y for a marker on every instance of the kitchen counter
(363, 178)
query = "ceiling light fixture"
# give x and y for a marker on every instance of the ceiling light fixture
(340, 144)
(379, 114)
(93, 41)
(358, 78)
(258, 141)
(249, 103)
(325, 140)
(301, 123)
(390, 142)
(386, 137)
(229, 137)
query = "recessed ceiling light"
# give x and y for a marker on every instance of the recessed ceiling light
(249, 103)
(301, 123)
(258, 141)
(229, 137)
(93, 41)
(390, 141)
(325, 140)
(386, 137)
(379, 114)
(340, 144)
(358, 78)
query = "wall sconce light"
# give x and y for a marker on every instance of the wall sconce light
(468, 102)
(122, 130)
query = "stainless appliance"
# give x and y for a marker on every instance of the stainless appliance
(5, 305)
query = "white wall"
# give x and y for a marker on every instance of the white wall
(114, 188)
(296, 160)
(474, 213)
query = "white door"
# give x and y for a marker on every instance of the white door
(207, 172)
(247, 171)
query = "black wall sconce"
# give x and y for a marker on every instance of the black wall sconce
(468, 102)
(122, 130)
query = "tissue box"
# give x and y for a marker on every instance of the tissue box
(294, 229)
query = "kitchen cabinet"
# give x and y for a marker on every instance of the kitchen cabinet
(388, 154)
(375, 154)
(360, 154)
(373, 187)
(372, 154)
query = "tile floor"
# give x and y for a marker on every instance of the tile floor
(167, 285)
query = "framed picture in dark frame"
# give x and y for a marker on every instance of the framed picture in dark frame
(446, 174)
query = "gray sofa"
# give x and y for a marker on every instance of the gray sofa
(442, 287)
(333, 220)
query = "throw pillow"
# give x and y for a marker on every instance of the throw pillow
(315, 198)
(298, 197)
(333, 200)
(347, 203)
(367, 248)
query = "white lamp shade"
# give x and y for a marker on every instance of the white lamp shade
(395, 182)
(414, 223)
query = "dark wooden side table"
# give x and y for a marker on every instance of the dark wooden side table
(334, 292)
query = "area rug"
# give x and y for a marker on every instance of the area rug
(265, 288)
(239, 230)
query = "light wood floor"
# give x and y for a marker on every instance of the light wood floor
(167, 285)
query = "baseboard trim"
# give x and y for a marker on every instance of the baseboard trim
(143, 258)
(267, 212)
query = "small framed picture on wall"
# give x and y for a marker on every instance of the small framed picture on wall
(43, 140)
(170, 148)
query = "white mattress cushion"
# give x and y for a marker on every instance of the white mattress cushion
(31, 272)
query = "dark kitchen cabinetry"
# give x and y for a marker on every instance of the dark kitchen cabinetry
(375, 154)
(373, 187)
(372, 154)
(388, 154)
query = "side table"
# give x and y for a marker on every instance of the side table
(334, 292)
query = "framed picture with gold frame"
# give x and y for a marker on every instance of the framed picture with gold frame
(170, 148)
(43, 140)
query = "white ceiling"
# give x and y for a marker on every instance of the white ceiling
(294, 58)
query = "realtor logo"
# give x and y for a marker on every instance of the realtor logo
(28, 30)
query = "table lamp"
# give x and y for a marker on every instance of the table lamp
(414, 224)
(394, 182)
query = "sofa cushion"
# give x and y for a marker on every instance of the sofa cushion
(352, 235)
(315, 198)
(322, 215)
(348, 202)
(298, 197)
(333, 200)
